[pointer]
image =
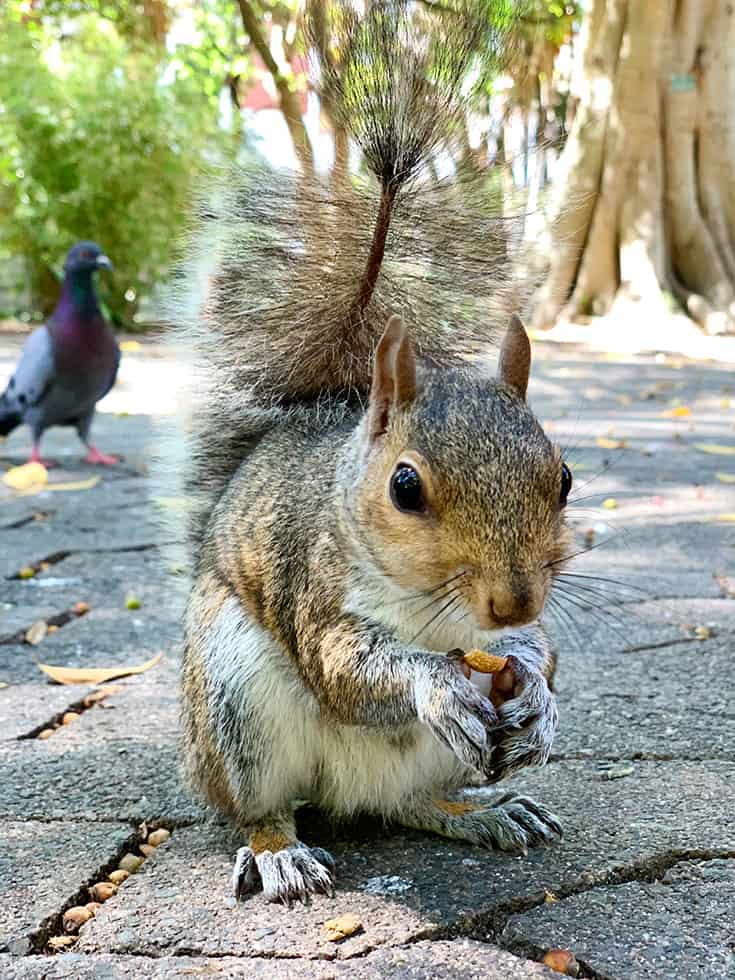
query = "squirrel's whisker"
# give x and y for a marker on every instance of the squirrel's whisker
(445, 608)
(606, 580)
(427, 592)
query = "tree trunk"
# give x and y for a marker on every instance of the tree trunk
(643, 201)
(288, 99)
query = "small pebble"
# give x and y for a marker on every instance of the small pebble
(75, 917)
(157, 837)
(119, 876)
(102, 891)
(130, 863)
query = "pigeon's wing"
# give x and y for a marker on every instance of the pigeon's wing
(113, 376)
(34, 373)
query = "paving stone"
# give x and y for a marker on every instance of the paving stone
(670, 702)
(461, 959)
(610, 826)
(42, 865)
(119, 779)
(679, 925)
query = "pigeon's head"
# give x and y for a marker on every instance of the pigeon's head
(86, 257)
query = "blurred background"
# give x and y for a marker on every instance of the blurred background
(608, 123)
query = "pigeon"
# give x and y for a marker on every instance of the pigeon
(68, 364)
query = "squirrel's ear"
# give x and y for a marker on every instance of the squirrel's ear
(394, 376)
(514, 363)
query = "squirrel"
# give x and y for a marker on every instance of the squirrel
(365, 496)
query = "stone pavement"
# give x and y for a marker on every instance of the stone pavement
(643, 884)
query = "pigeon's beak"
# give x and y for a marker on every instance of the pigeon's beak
(104, 263)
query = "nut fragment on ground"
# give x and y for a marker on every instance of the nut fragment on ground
(75, 917)
(130, 863)
(102, 891)
(342, 927)
(561, 961)
(158, 837)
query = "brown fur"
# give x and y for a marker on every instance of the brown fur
(304, 406)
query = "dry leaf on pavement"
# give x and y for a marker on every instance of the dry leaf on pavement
(95, 675)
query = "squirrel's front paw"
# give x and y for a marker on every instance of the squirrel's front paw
(290, 875)
(527, 725)
(458, 715)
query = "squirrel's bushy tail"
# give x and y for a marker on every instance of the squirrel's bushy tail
(290, 279)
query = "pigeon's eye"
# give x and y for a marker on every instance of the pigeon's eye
(566, 484)
(406, 491)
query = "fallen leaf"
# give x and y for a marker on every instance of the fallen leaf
(604, 443)
(129, 346)
(725, 477)
(342, 927)
(715, 448)
(679, 412)
(610, 503)
(87, 484)
(94, 675)
(561, 961)
(37, 632)
(29, 477)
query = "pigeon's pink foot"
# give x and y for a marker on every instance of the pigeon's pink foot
(35, 457)
(95, 456)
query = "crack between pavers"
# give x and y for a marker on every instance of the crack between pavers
(57, 620)
(78, 707)
(493, 923)
(52, 924)
(638, 757)
(59, 556)
(30, 519)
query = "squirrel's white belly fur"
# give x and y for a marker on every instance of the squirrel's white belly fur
(345, 768)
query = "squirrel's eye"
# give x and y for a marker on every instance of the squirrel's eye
(405, 489)
(566, 484)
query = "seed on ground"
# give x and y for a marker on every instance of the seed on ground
(158, 837)
(130, 863)
(102, 891)
(75, 917)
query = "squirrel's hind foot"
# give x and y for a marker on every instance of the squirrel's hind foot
(292, 874)
(510, 823)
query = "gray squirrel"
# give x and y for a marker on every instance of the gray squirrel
(366, 497)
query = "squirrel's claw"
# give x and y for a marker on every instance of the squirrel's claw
(293, 874)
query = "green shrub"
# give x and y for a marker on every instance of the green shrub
(97, 140)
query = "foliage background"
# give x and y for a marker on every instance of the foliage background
(109, 113)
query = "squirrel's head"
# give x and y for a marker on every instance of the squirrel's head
(458, 492)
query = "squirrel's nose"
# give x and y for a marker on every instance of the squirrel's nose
(510, 608)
